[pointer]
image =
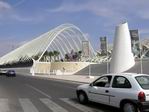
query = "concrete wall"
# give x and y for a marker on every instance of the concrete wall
(95, 69)
(43, 67)
(82, 68)
(137, 67)
(58, 67)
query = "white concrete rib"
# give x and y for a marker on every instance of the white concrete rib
(40, 44)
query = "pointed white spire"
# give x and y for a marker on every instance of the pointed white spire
(122, 56)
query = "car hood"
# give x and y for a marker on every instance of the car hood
(84, 86)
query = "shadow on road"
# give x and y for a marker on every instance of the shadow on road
(97, 106)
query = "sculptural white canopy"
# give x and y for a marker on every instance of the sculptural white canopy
(63, 38)
(122, 56)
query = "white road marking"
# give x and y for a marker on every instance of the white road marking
(79, 106)
(27, 105)
(4, 107)
(43, 93)
(52, 106)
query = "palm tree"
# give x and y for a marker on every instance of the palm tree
(67, 57)
(46, 55)
(35, 57)
(56, 54)
(50, 55)
(79, 54)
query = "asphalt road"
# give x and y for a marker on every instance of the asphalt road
(33, 94)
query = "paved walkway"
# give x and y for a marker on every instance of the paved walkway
(66, 77)
(74, 78)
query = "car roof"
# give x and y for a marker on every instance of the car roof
(125, 74)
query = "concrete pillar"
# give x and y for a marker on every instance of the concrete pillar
(122, 56)
(32, 69)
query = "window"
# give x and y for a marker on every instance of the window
(121, 82)
(103, 81)
(143, 81)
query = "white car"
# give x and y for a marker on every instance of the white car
(127, 91)
(3, 71)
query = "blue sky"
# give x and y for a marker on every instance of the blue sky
(23, 20)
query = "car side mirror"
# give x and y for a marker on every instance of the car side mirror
(91, 84)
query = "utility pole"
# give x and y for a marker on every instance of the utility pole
(89, 62)
(107, 58)
(140, 50)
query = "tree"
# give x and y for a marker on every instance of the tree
(56, 54)
(67, 57)
(36, 57)
(75, 56)
(51, 54)
(46, 54)
(79, 54)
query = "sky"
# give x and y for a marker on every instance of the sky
(24, 20)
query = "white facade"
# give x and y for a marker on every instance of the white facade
(122, 56)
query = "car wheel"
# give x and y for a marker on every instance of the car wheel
(83, 99)
(129, 107)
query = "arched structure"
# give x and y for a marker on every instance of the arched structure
(63, 38)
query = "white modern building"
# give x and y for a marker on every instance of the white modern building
(63, 39)
(68, 37)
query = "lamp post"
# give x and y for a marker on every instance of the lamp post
(107, 58)
(33, 67)
(90, 64)
(140, 50)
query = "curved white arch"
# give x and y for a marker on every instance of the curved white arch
(65, 34)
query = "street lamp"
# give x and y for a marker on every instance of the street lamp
(140, 50)
(90, 64)
(107, 58)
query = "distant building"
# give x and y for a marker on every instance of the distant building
(134, 34)
(103, 45)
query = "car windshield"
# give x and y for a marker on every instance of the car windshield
(143, 81)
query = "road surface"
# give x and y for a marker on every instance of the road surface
(33, 94)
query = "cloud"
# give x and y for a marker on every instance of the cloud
(144, 14)
(20, 18)
(4, 6)
(144, 31)
(108, 8)
(30, 19)
(95, 6)
(8, 44)
(5, 10)
(9, 12)
(70, 7)
(109, 12)
(22, 43)
(20, 2)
